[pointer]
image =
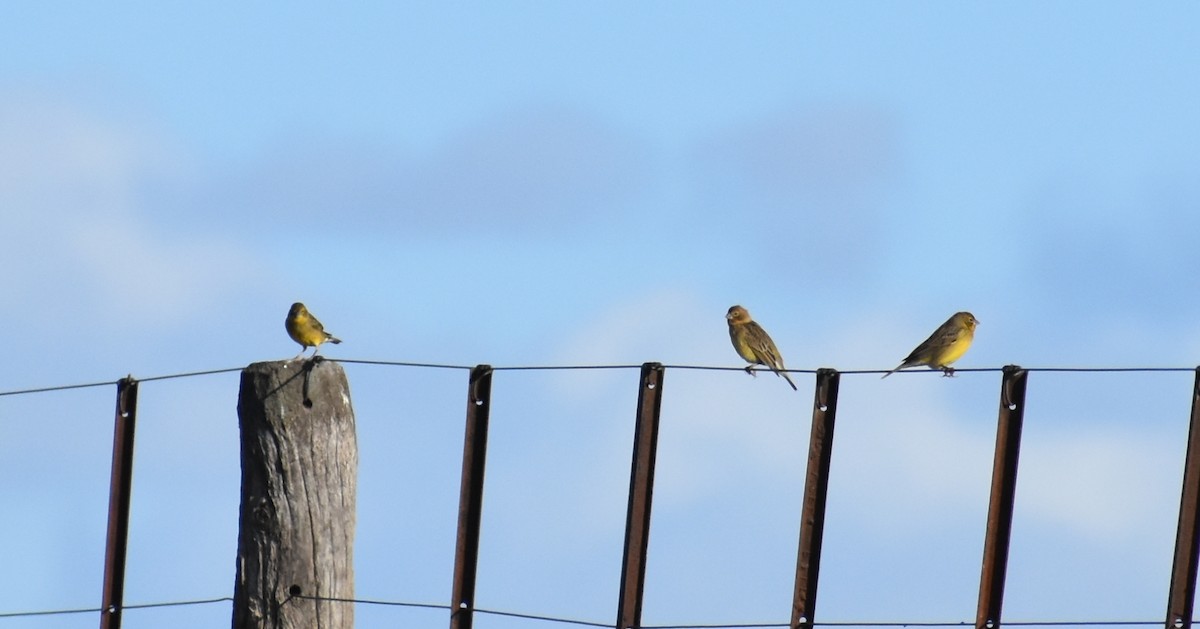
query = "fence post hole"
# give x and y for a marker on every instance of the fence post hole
(816, 486)
(1187, 536)
(641, 491)
(470, 498)
(299, 459)
(125, 422)
(1003, 496)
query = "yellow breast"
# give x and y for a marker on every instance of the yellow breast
(303, 331)
(741, 342)
(955, 350)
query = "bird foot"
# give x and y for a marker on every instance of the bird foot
(750, 370)
(947, 372)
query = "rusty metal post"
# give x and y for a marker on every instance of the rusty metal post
(113, 597)
(1182, 596)
(816, 486)
(641, 491)
(470, 500)
(1004, 490)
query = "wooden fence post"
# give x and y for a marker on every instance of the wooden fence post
(299, 473)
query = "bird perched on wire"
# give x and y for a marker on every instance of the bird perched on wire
(306, 330)
(947, 344)
(753, 344)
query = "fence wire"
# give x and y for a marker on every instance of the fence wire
(590, 623)
(421, 365)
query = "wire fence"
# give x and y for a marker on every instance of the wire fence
(391, 363)
(591, 623)
(1012, 399)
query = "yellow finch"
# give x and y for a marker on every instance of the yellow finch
(306, 330)
(947, 344)
(753, 344)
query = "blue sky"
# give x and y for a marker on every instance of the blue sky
(569, 183)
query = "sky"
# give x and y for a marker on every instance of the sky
(535, 183)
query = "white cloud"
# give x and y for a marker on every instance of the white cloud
(149, 276)
(912, 452)
(930, 462)
(75, 227)
(1109, 485)
(669, 325)
(712, 421)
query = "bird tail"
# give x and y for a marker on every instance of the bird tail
(785, 377)
(892, 372)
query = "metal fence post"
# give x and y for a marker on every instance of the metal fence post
(641, 491)
(113, 598)
(1003, 497)
(470, 501)
(1187, 536)
(816, 486)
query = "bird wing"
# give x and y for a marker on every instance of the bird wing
(948, 334)
(764, 348)
(944, 336)
(765, 351)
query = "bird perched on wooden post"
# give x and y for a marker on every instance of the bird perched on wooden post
(306, 330)
(947, 344)
(753, 343)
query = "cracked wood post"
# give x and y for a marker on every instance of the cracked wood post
(299, 470)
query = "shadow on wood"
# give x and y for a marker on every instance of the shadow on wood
(299, 479)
